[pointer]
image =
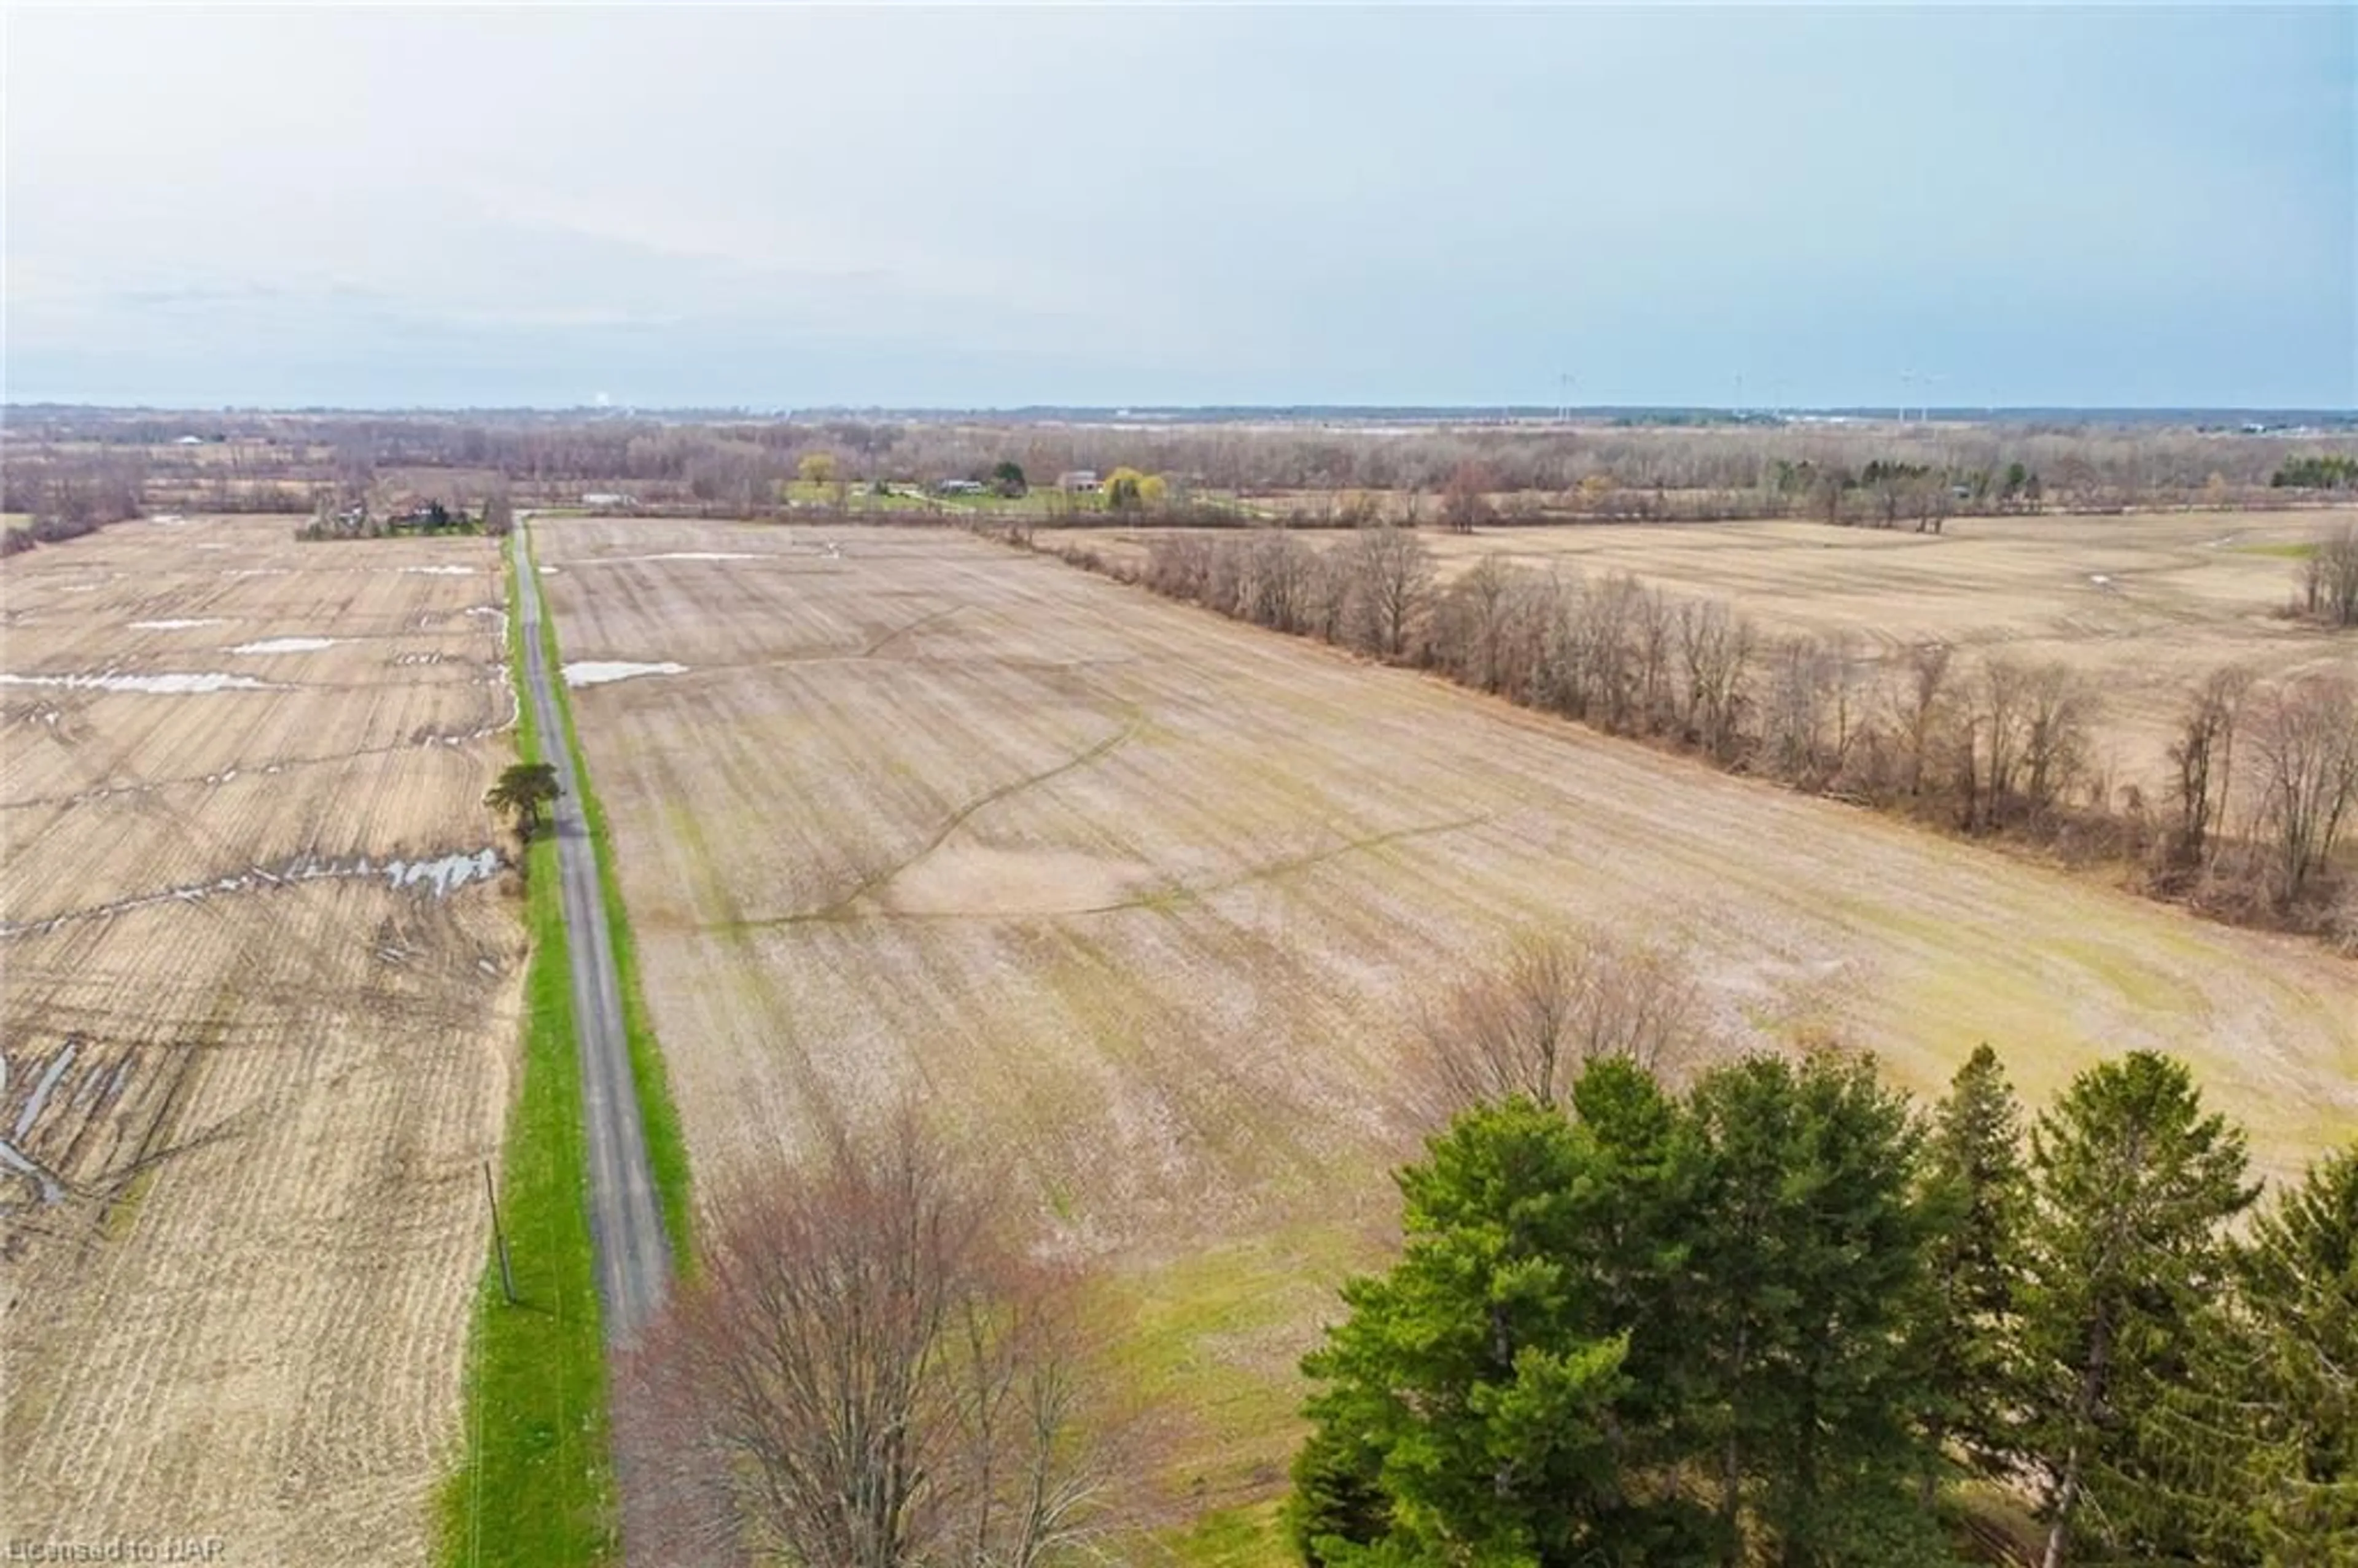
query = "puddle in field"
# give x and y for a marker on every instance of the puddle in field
(441, 571)
(286, 645)
(159, 686)
(181, 623)
(441, 876)
(598, 671)
(40, 1095)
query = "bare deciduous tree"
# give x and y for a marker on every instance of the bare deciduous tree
(2204, 755)
(1392, 580)
(1921, 704)
(1715, 649)
(1470, 630)
(868, 1371)
(2330, 578)
(2305, 737)
(1555, 1003)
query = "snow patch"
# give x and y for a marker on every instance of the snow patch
(161, 685)
(181, 623)
(286, 645)
(598, 671)
(449, 871)
(441, 876)
(441, 571)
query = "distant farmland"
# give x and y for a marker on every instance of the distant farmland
(1144, 902)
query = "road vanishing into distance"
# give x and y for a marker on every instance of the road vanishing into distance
(625, 1220)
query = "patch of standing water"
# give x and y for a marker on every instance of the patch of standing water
(441, 571)
(40, 1095)
(442, 876)
(598, 671)
(286, 645)
(174, 684)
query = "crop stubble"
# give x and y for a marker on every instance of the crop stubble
(1144, 902)
(242, 1310)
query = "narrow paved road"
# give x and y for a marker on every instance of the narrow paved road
(625, 1220)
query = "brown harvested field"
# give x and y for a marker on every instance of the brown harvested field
(2146, 603)
(255, 1055)
(1144, 900)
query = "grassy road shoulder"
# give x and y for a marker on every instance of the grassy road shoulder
(537, 1486)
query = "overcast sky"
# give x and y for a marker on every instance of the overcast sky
(2132, 206)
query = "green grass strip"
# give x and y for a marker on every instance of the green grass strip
(536, 1488)
(666, 1146)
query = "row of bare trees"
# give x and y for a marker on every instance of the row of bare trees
(1983, 745)
(67, 495)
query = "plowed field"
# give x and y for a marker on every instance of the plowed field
(259, 1012)
(1144, 902)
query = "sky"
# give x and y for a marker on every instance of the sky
(777, 208)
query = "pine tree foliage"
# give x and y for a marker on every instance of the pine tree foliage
(1973, 1191)
(2125, 1254)
(1767, 1321)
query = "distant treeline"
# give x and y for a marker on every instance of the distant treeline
(1787, 1317)
(1993, 746)
(738, 467)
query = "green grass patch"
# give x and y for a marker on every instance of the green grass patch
(2284, 552)
(666, 1145)
(1249, 1537)
(536, 1487)
(1215, 1338)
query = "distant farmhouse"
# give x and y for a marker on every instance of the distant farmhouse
(1080, 479)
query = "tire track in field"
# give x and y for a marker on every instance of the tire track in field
(959, 818)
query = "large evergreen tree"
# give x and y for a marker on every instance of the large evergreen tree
(2125, 1254)
(1464, 1415)
(1973, 1193)
(2300, 1283)
(1807, 1256)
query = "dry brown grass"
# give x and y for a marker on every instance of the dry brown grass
(242, 1310)
(1146, 900)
